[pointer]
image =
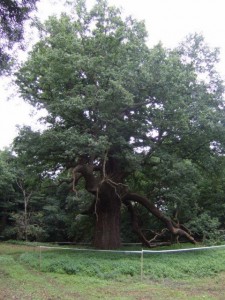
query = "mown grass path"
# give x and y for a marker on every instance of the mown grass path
(18, 281)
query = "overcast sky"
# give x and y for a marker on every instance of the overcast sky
(168, 21)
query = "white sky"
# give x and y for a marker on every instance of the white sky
(168, 21)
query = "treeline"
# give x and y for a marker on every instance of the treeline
(37, 208)
(46, 208)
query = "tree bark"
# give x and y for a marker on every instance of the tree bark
(107, 211)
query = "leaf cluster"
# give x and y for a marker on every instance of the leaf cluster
(13, 14)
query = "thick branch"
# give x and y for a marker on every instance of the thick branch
(91, 182)
(173, 228)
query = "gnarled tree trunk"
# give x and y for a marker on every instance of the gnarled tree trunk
(108, 193)
(107, 211)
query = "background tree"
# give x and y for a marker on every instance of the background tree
(113, 105)
(13, 14)
(30, 207)
(7, 192)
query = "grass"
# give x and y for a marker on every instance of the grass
(195, 264)
(91, 275)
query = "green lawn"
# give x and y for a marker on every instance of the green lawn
(91, 275)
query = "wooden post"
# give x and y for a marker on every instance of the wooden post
(142, 261)
(40, 258)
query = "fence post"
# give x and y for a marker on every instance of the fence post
(40, 258)
(142, 261)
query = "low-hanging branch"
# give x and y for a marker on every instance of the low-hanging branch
(171, 226)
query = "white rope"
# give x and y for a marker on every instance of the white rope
(137, 252)
(183, 250)
(92, 250)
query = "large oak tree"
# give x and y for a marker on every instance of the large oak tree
(116, 108)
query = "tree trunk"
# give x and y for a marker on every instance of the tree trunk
(107, 210)
(3, 221)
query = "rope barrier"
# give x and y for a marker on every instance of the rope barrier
(184, 250)
(92, 250)
(141, 252)
(137, 251)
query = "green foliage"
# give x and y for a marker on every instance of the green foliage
(206, 227)
(104, 89)
(34, 229)
(7, 189)
(12, 18)
(6, 173)
(78, 82)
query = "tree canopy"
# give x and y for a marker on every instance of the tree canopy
(128, 123)
(13, 14)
